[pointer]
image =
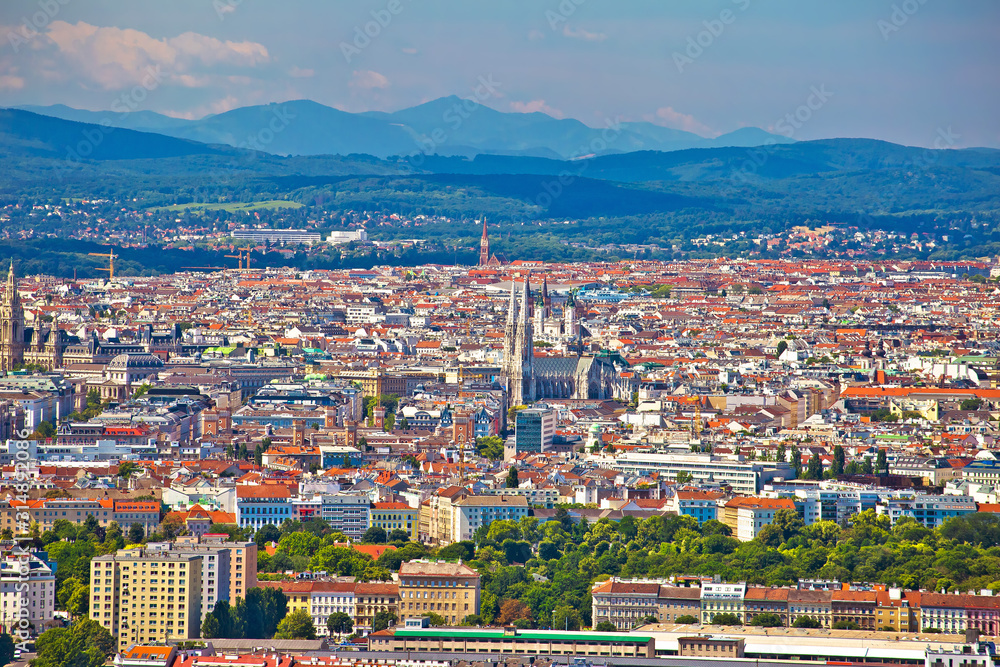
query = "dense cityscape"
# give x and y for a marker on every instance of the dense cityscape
(635, 449)
(540, 333)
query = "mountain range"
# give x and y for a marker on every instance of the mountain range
(826, 178)
(449, 126)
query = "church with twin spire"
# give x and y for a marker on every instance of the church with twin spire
(528, 378)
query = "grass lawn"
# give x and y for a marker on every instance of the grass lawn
(232, 207)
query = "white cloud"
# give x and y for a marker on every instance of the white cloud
(536, 105)
(211, 51)
(410, 51)
(301, 72)
(583, 34)
(368, 79)
(112, 58)
(536, 35)
(668, 117)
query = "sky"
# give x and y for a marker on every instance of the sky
(916, 72)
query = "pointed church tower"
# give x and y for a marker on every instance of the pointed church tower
(484, 247)
(11, 324)
(510, 357)
(523, 386)
(546, 299)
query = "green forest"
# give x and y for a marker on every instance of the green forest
(548, 568)
(540, 574)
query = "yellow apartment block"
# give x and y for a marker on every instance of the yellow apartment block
(147, 597)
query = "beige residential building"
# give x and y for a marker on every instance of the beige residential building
(45, 512)
(628, 603)
(450, 590)
(436, 515)
(454, 514)
(320, 599)
(813, 604)
(719, 648)
(372, 598)
(147, 596)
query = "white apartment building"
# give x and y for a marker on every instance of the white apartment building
(331, 597)
(277, 235)
(347, 512)
(26, 582)
(471, 512)
(338, 237)
(755, 513)
(364, 313)
(547, 496)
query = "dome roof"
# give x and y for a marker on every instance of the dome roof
(134, 360)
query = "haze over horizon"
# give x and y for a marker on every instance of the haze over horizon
(898, 71)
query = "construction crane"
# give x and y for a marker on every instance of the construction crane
(240, 257)
(111, 263)
(696, 424)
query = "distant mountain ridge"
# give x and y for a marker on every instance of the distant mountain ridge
(26, 134)
(833, 180)
(448, 126)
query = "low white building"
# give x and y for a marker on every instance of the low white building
(338, 237)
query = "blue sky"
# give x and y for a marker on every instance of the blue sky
(899, 70)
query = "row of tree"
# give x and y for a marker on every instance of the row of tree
(254, 617)
(552, 589)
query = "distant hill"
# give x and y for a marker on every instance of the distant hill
(832, 179)
(145, 121)
(32, 135)
(446, 126)
(739, 165)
